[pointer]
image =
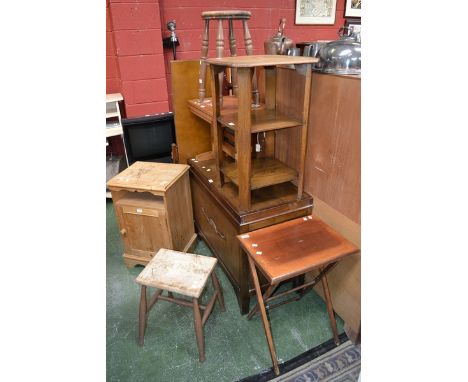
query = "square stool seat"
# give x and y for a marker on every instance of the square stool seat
(178, 272)
(182, 273)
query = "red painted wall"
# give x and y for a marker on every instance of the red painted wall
(139, 68)
(135, 55)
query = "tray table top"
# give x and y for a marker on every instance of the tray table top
(295, 247)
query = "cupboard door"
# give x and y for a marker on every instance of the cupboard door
(146, 231)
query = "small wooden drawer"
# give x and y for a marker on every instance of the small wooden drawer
(142, 211)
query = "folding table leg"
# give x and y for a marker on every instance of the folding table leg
(331, 314)
(143, 315)
(266, 324)
(267, 294)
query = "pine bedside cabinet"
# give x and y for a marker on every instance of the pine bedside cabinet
(153, 206)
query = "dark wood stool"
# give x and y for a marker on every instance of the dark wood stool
(183, 273)
(284, 251)
(244, 16)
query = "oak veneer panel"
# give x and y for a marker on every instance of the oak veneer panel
(333, 153)
(289, 102)
(344, 280)
(192, 132)
(333, 159)
(179, 201)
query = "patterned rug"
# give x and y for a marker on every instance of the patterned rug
(342, 364)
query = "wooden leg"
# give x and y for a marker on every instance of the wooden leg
(266, 324)
(198, 330)
(249, 51)
(204, 55)
(233, 48)
(254, 310)
(142, 323)
(220, 53)
(218, 289)
(331, 314)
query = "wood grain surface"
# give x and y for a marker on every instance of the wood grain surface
(148, 176)
(295, 247)
(179, 272)
(261, 60)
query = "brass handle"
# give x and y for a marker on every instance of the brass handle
(123, 232)
(213, 224)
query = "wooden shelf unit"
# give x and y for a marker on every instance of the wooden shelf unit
(263, 170)
(114, 129)
(113, 117)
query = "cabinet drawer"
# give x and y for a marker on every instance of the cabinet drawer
(142, 211)
(218, 230)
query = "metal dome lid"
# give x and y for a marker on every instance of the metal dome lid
(342, 56)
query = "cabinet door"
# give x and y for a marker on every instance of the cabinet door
(146, 231)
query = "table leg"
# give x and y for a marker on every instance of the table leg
(143, 315)
(218, 289)
(266, 324)
(331, 314)
(267, 294)
(198, 330)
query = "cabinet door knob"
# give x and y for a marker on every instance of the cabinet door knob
(123, 231)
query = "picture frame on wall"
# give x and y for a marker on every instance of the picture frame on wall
(315, 12)
(352, 8)
(354, 24)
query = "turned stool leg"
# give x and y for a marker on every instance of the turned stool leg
(219, 54)
(218, 289)
(249, 51)
(233, 49)
(204, 56)
(198, 330)
(142, 323)
(331, 314)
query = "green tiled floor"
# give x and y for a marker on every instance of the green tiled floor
(235, 348)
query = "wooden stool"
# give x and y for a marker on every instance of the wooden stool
(183, 273)
(284, 251)
(220, 16)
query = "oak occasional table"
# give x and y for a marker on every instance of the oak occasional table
(284, 251)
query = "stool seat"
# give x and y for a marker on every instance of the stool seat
(238, 15)
(179, 272)
(220, 16)
(184, 273)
